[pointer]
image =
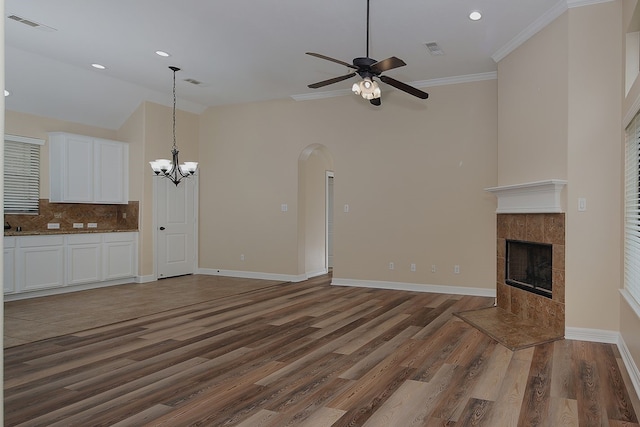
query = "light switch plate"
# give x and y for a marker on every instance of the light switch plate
(582, 204)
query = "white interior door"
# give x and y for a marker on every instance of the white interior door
(176, 226)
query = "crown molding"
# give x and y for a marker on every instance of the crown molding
(492, 75)
(537, 25)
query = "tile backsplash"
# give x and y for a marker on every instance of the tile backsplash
(107, 217)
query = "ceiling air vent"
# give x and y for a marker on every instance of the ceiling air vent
(30, 23)
(434, 49)
(193, 81)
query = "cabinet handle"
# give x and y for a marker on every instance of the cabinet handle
(161, 228)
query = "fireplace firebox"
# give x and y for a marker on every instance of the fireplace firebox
(529, 266)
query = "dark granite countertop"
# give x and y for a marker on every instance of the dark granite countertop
(55, 232)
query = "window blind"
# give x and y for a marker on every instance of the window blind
(632, 210)
(21, 175)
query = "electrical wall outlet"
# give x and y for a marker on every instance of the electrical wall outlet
(57, 215)
(433, 268)
(242, 257)
(53, 226)
(124, 215)
(413, 267)
(78, 225)
(92, 225)
(456, 269)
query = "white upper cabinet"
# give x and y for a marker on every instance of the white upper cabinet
(83, 169)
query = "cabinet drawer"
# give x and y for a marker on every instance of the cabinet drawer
(119, 237)
(9, 242)
(83, 239)
(33, 241)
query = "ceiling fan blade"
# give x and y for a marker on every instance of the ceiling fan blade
(404, 87)
(375, 101)
(331, 81)
(387, 64)
(337, 61)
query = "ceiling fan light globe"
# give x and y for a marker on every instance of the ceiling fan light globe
(356, 88)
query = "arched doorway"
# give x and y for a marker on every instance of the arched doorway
(315, 166)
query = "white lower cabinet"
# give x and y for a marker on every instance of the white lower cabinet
(9, 265)
(84, 258)
(40, 263)
(120, 255)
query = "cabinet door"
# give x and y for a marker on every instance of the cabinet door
(39, 263)
(84, 260)
(71, 168)
(9, 258)
(119, 260)
(120, 255)
(111, 171)
(9, 264)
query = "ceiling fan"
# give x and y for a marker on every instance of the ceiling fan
(368, 68)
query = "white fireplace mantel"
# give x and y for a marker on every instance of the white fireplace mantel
(530, 197)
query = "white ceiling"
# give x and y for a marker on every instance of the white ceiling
(242, 50)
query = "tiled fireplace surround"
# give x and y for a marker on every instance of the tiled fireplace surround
(529, 212)
(541, 311)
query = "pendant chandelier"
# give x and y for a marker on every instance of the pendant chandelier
(172, 169)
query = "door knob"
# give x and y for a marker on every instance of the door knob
(161, 228)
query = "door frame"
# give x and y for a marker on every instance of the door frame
(196, 197)
(328, 204)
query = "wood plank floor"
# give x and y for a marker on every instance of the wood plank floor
(315, 355)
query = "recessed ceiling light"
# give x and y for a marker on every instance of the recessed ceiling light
(475, 15)
(6, 93)
(162, 53)
(98, 66)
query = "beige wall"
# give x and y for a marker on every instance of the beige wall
(533, 108)
(413, 174)
(559, 117)
(594, 238)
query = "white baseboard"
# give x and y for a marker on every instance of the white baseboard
(629, 363)
(415, 287)
(311, 274)
(609, 337)
(146, 279)
(592, 335)
(252, 275)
